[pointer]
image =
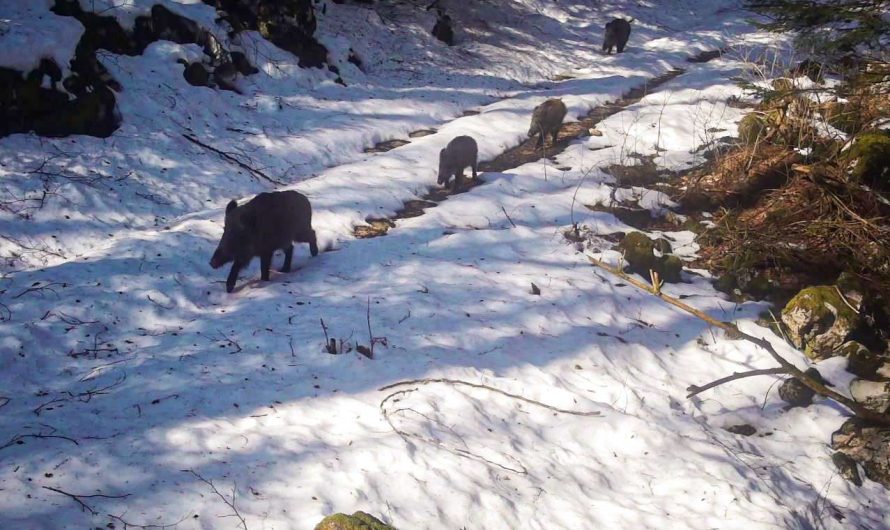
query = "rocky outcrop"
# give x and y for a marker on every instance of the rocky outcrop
(289, 25)
(84, 102)
(26, 104)
(867, 445)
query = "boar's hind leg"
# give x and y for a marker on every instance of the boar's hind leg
(288, 254)
(313, 243)
(474, 170)
(458, 181)
(265, 264)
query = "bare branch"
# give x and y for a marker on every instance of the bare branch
(814, 385)
(233, 159)
(695, 389)
(230, 504)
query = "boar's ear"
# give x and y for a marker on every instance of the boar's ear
(231, 206)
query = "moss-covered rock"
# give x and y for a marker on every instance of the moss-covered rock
(860, 360)
(842, 116)
(752, 128)
(663, 245)
(639, 252)
(356, 521)
(819, 321)
(870, 155)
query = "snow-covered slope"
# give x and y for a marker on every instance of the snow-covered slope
(127, 371)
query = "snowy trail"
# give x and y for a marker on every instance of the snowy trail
(146, 367)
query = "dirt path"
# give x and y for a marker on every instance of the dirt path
(521, 154)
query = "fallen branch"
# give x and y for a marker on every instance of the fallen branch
(733, 332)
(695, 390)
(484, 387)
(160, 526)
(230, 504)
(233, 159)
(508, 216)
(18, 439)
(83, 505)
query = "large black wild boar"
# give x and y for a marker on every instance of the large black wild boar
(268, 222)
(458, 155)
(617, 33)
(546, 119)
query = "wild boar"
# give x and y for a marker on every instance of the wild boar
(459, 154)
(617, 33)
(268, 222)
(443, 29)
(546, 119)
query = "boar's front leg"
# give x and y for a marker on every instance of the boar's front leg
(233, 275)
(265, 264)
(288, 254)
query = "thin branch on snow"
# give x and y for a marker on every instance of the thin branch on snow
(79, 498)
(508, 216)
(396, 396)
(695, 390)
(160, 526)
(458, 382)
(18, 439)
(233, 159)
(230, 504)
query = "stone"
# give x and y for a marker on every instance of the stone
(874, 395)
(818, 321)
(846, 467)
(866, 444)
(861, 361)
(743, 429)
(356, 521)
(797, 394)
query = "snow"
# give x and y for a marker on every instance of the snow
(30, 32)
(118, 336)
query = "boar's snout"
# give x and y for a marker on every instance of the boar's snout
(218, 260)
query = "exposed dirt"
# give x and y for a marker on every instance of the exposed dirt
(388, 145)
(528, 152)
(421, 133)
(522, 154)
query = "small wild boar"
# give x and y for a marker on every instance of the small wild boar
(546, 119)
(617, 33)
(459, 154)
(268, 222)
